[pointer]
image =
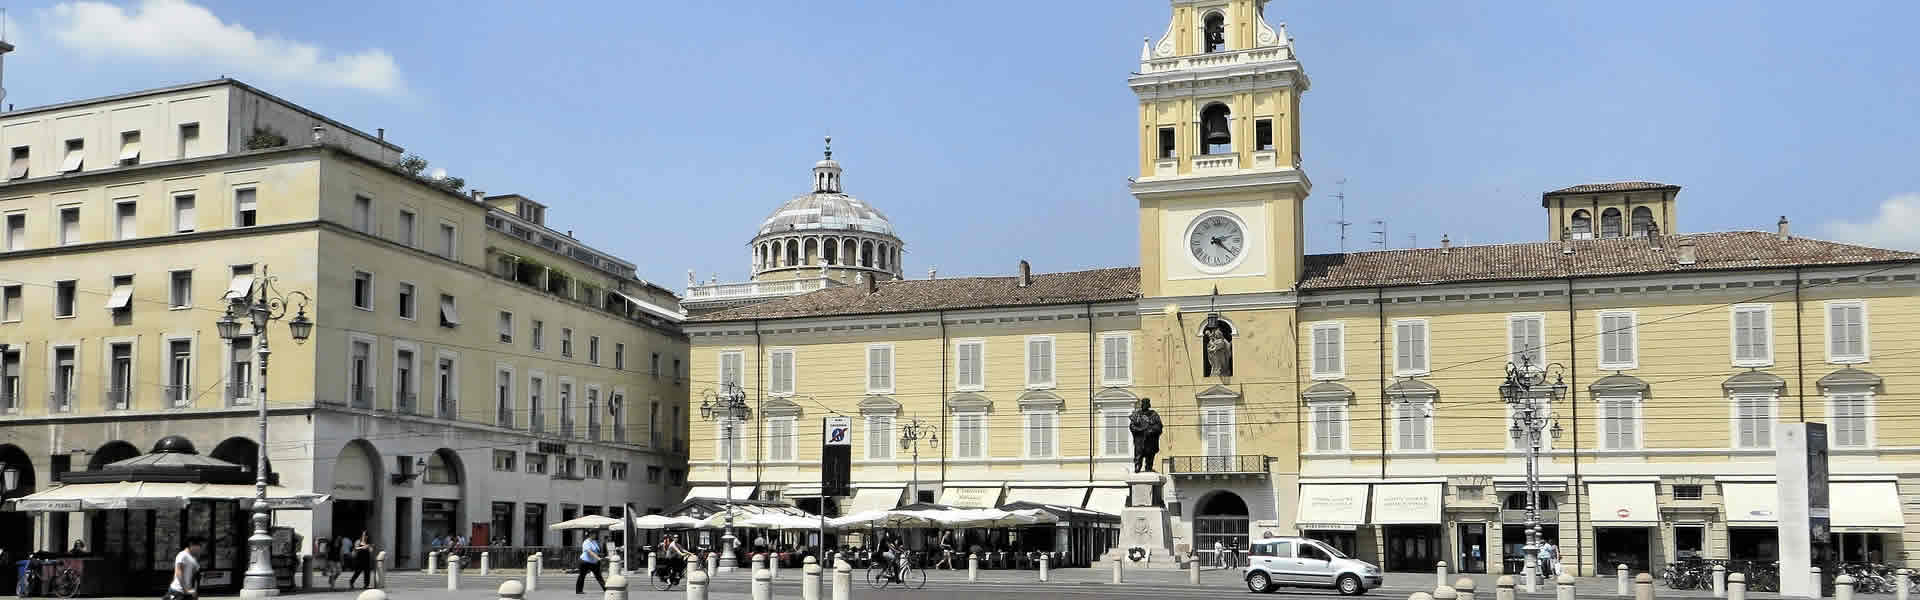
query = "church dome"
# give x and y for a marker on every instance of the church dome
(826, 233)
(826, 210)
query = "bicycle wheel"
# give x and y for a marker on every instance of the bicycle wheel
(66, 584)
(877, 577)
(662, 581)
(915, 578)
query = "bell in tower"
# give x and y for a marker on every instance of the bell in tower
(1215, 132)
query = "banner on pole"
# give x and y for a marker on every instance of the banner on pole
(836, 457)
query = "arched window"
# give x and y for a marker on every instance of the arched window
(1610, 223)
(866, 254)
(1642, 220)
(832, 254)
(1582, 225)
(1216, 134)
(1223, 517)
(812, 252)
(443, 468)
(1216, 32)
(793, 253)
(848, 251)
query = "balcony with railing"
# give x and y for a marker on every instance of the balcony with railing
(503, 416)
(177, 396)
(446, 407)
(404, 402)
(1216, 60)
(117, 398)
(714, 292)
(1229, 465)
(60, 402)
(361, 396)
(239, 392)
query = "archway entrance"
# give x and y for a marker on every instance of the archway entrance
(442, 489)
(1222, 518)
(354, 489)
(16, 528)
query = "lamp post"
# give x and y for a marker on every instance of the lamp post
(262, 304)
(910, 436)
(1524, 386)
(729, 406)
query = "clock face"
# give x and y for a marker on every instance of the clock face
(1216, 241)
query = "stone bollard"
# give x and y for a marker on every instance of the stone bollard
(773, 566)
(713, 562)
(653, 563)
(1193, 571)
(759, 561)
(1445, 592)
(1043, 565)
(810, 579)
(1463, 588)
(380, 569)
(1643, 587)
(1737, 586)
(1620, 580)
(616, 587)
(533, 573)
(1719, 581)
(613, 565)
(1503, 588)
(973, 568)
(1117, 577)
(512, 590)
(1902, 584)
(697, 585)
(762, 583)
(433, 562)
(486, 563)
(842, 580)
(1440, 574)
(1563, 587)
(306, 571)
(1420, 596)
(1843, 587)
(453, 573)
(374, 594)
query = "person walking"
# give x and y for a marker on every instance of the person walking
(590, 554)
(342, 554)
(1219, 554)
(946, 549)
(362, 563)
(186, 572)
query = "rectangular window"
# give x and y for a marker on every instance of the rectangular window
(536, 464)
(593, 349)
(503, 399)
(1847, 331)
(730, 434)
(676, 371)
(1217, 436)
(449, 240)
(1410, 424)
(1263, 134)
(446, 403)
(449, 317)
(66, 373)
(12, 305)
(1410, 347)
(653, 474)
(880, 369)
(70, 225)
(405, 392)
(63, 292)
(566, 409)
(121, 297)
(1329, 341)
(1688, 492)
(11, 388)
(179, 373)
(240, 370)
(1116, 359)
(363, 214)
(503, 461)
(536, 415)
(406, 301)
(879, 437)
(120, 384)
(363, 290)
(782, 371)
(360, 374)
(189, 140)
(17, 168)
(1116, 437)
(183, 218)
(406, 233)
(1040, 435)
(593, 414)
(1754, 419)
(1619, 420)
(619, 356)
(506, 327)
(1167, 146)
(1329, 427)
(75, 157)
(780, 438)
(618, 471)
(17, 232)
(1617, 346)
(1849, 415)
(969, 368)
(970, 436)
(539, 335)
(1526, 340)
(1040, 362)
(566, 342)
(126, 224)
(653, 366)
(1752, 336)
(246, 207)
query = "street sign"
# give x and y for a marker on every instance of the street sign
(839, 431)
(836, 458)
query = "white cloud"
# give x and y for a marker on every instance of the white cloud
(1897, 225)
(182, 32)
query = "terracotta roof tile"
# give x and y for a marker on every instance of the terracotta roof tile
(1618, 186)
(912, 295)
(1590, 258)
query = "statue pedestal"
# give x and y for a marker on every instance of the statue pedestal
(1143, 524)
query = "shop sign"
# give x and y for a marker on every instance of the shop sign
(552, 448)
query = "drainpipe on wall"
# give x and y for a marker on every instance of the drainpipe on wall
(1573, 396)
(759, 400)
(1379, 294)
(1093, 370)
(942, 410)
(1799, 348)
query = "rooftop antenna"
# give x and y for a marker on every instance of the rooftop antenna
(1382, 241)
(1342, 223)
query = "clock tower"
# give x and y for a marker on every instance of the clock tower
(1220, 184)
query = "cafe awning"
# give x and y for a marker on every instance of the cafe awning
(1623, 504)
(1058, 496)
(1751, 504)
(874, 498)
(972, 495)
(149, 495)
(1865, 507)
(1407, 504)
(1108, 500)
(801, 490)
(740, 492)
(1332, 507)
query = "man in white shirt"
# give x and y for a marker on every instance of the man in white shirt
(186, 571)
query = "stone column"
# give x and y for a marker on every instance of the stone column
(1843, 587)
(433, 562)
(1902, 584)
(1564, 588)
(533, 572)
(1117, 577)
(1620, 580)
(1044, 559)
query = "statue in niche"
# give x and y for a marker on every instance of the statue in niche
(1217, 357)
(1146, 428)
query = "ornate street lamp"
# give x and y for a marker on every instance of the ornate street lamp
(910, 436)
(1524, 386)
(729, 406)
(263, 303)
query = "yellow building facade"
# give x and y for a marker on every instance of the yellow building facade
(472, 371)
(1362, 404)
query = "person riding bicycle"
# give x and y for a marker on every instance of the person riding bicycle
(896, 556)
(675, 566)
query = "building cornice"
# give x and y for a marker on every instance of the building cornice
(1148, 188)
(883, 321)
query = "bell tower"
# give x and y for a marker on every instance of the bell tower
(1220, 185)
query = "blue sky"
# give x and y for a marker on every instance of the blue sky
(665, 131)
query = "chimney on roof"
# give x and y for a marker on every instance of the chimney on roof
(478, 195)
(319, 134)
(1783, 229)
(1026, 274)
(933, 273)
(380, 133)
(1686, 255)
(1446, 245)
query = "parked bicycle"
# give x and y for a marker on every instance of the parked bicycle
(63, 583)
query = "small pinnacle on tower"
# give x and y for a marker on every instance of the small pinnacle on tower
(829, 147)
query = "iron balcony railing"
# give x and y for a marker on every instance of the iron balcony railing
(60, 402)
(362, 396)
(239, 390)
(1228, 464)
(177, 396)
(403, 403)
(503, 416)
(445, 407)
(117, 398)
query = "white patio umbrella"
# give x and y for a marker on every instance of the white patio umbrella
(586, 522)
(993, 517)
(883, 519)
(782, 521)
(665, 522)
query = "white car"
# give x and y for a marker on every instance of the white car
(1301, 562)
